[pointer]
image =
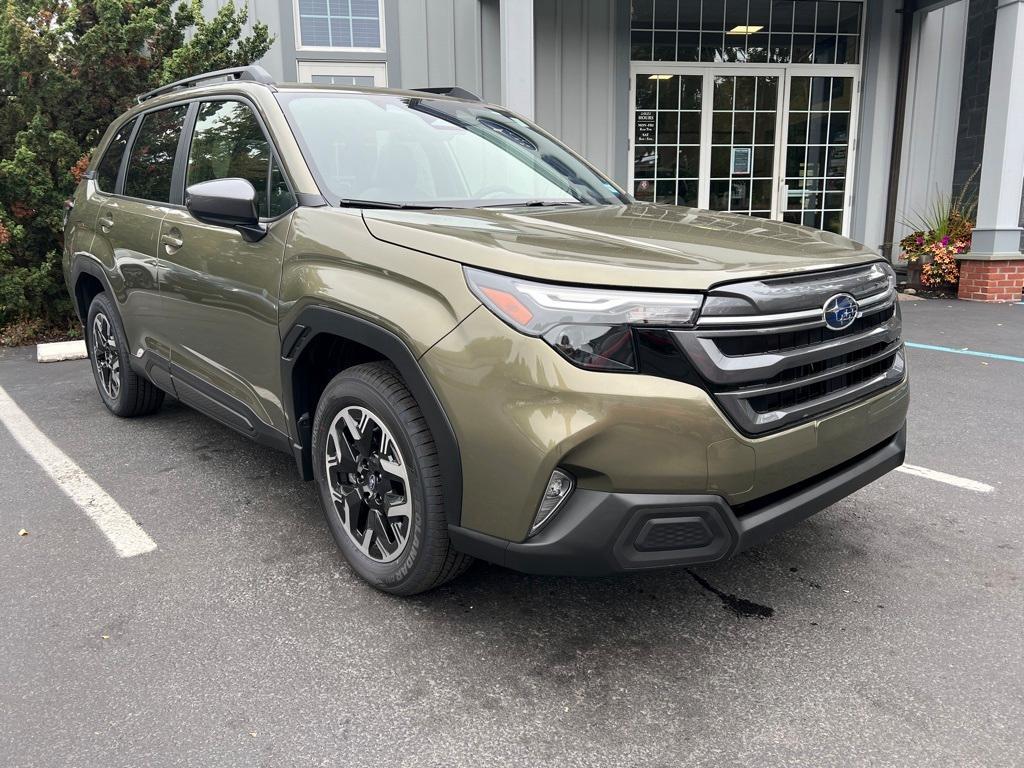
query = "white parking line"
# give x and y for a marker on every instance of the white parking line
(127, 536)
(942, 477)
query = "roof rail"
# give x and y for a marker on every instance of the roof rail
(252, 73)
(452, 90)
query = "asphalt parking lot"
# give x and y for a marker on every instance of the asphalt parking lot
(887, 630)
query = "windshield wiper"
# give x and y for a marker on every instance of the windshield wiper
(349, 202)
(535, 204)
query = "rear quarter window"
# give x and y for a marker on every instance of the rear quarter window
(110, 163)
(151, 163)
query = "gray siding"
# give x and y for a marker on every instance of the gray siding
(933, 107)
(875, 126)
(275, 14)
(443, 43)
(581, 77)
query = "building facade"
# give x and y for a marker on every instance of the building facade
(852, 116)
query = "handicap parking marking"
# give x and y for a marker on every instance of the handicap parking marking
(973, 353)
(127, 536)
(942, 477)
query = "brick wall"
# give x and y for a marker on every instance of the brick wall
(970, 139)
(991, 280)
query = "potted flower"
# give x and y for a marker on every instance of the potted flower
(940, 235)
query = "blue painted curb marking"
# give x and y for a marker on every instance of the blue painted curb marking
(971, 352)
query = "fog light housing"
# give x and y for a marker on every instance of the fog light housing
(558, 490)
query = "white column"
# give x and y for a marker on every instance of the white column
(997, 233)
(516, 30)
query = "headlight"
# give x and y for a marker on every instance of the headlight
(588, 326)
(890, 274)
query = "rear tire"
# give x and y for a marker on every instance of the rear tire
(123, 391)
(376, 469)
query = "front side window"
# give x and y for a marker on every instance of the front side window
(228, 142)
(110, 164)
(151, 164)
(443, 153)
(351, 24)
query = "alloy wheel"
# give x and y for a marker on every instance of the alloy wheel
(369, 483)
(105, 356)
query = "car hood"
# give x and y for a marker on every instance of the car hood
(641, 246)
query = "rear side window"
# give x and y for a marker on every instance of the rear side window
(106, 172)
(228, 142)
(151, 163)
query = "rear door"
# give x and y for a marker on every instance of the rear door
(131, 220)
(134, 199)
(220, 293)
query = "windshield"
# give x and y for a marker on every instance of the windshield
(401, 150)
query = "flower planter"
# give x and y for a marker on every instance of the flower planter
(914, 274)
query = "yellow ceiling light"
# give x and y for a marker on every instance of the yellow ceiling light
(745, 29)
(660, 77)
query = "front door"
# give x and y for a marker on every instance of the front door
(219, 291)
(773, 142)
(816, 187)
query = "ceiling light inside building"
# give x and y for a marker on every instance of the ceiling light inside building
(745, 29)
(660, 77)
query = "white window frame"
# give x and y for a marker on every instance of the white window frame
(298, 34)
(378, 70)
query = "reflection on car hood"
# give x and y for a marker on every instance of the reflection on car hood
(643, 245)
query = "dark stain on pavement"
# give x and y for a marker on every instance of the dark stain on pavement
(737, 605)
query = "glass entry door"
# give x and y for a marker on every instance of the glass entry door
(744, 131)
(667, 120)
(818, 151)
(773, 142)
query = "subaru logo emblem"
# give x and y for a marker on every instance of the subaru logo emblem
(840, 311)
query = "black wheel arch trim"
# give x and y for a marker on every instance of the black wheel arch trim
(315, 320)
(85, 264)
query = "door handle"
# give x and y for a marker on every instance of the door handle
(105, 222)
(172, 241)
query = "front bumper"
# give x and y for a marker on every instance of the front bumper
(600, 532)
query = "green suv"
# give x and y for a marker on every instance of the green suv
(474, 343)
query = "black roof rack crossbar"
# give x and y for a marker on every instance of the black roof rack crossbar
(452, 90)
(252, 73)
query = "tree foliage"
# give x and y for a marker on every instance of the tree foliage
(67, 69)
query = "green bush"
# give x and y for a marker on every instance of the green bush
(67, 69)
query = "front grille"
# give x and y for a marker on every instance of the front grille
(772, 370)
(808, 337)
(791, 398)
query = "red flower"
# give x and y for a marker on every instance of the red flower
(79, 168)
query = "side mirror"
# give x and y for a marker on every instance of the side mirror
(226, 203)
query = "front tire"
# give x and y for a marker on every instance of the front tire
(376, 468)
(123, 391)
